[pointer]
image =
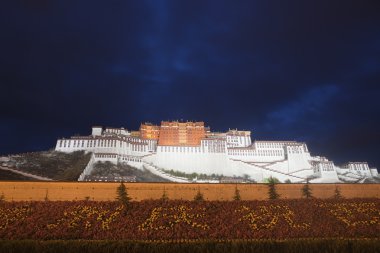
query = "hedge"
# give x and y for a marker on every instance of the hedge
(196, 246)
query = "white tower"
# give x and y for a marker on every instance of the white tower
(97, 130)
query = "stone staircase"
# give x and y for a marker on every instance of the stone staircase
(265, 168)
(300, 170)
(275, 162)
(351, 178)
(159, 172)
(89, 167)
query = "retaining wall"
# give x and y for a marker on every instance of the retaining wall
(20, 191)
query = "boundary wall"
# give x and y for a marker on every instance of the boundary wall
(37, 191)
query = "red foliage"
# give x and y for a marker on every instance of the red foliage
(175, 220)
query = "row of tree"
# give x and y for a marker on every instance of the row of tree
(122, 195)
(305, 190)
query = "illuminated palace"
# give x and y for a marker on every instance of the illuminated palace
(190, 147)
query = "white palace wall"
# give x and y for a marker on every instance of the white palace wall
(230, 154)
(126, 146)
(297, 159)
(191, 159)
(256, 155)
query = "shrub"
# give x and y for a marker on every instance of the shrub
(122, 195)
(306, 190)
(199, 196)
(237, 194)
(271, 180)
(337, 193)
(264, 246)
(185, 220)
(272, 192)
(164, 196)
(47, 195)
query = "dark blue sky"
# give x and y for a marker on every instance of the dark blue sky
(286, 70)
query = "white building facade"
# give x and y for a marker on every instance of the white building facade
(230, 154)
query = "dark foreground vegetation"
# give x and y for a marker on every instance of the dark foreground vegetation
(190, 220)
(303, 225)
(232, 246)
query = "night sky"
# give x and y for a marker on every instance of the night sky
(286, 70)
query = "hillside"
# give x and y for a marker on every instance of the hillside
(60, 166)
(108, 169)
(10, 176)
(51, 164)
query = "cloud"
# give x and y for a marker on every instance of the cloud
(309, 104)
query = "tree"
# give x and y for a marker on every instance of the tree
(287, 181)
(237, 194)
(272, 192)
(306, 190)
(246, 177)
(199, 196)
(164, 196)
(272, 179)
(46, 195)
(122, 195)
(337, 193)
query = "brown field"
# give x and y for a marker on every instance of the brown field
(20, 191)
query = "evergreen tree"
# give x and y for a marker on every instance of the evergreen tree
(237, 194)
(164, 196)
(272, 179)
(272, 192)
(337, 193)
(199, 196)
(306, 190)
(46, 195)
(122, 195)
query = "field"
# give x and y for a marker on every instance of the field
(200, 224)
